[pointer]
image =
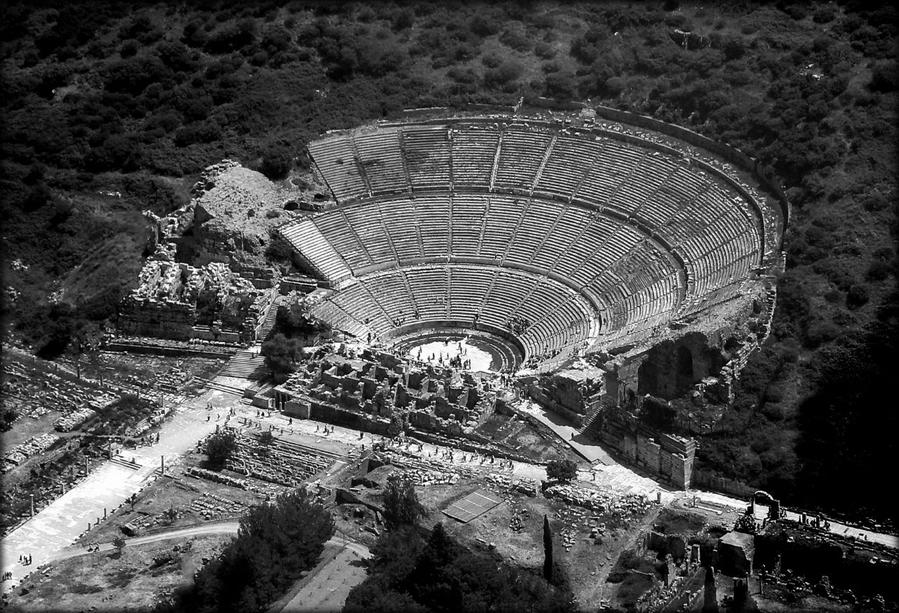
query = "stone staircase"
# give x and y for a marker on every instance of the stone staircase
(125, 463)
(269, 322)
(590, 418)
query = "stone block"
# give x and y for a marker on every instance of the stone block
(296, 408)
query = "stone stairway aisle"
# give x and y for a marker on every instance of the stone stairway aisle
(269, 323)
(244, 365)
(590, 418)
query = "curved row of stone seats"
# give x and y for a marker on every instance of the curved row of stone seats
(494, 296)
(390, 291)
(557, 327)
(520, 156)
(327, 310)
(318, 248)
(564, 170)
(543, 304)
(610, 170)
(403, 227)
(561, 232)
(335, 159)
(382, 160)
(340, 233)
(712, 299)
(433, 222)
(502, 214)
(660, 297)
(467, 288)
(648, 262)
(614, 250)
(579, 247)
(426, 150)
(645, 179)
(473, 154)
(357, 301)
(367, 224)
(721, 271)
(466, 222)
(428, 289)
(610, 159)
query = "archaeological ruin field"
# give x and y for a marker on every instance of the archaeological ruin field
(448, 306)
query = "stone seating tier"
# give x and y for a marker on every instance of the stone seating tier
(634, 225)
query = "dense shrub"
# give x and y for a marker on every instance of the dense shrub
(561, 470)
(276, 161)
(199, 132)
(233, 37)
(133, 75)
(219, 448)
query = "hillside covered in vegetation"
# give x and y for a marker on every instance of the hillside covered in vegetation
(111, 109)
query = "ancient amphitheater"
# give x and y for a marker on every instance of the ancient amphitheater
(542, 238)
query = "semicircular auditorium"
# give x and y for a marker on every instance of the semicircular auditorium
(538, 239)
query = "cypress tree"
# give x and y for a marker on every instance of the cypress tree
(547, 550)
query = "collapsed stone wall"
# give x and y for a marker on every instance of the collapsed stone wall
(229, 219)
(177, 301)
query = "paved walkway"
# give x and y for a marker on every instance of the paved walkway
(761, 511)
(64, 520)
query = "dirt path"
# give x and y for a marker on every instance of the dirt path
(229, 527)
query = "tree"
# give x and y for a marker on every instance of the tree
(219, 448)
(280, 356)
(401, 505)
(170, 515)
(561, 470)
(395, 428)
(7, 416)
(275, 544)
(547, 550)
(276, 161)
(746, 523)
(119, 543)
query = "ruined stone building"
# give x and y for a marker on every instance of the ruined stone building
(174, 300)
(371, 390)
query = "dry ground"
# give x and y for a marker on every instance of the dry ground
(107, 581)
